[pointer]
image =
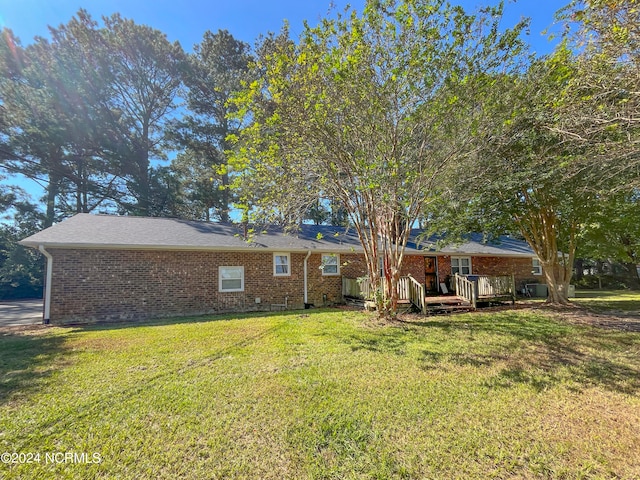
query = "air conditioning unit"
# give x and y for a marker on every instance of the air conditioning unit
(540, 290)
(537, 289)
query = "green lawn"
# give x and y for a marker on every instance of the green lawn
(324, 394)
(609, 300)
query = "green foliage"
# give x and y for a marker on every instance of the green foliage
(84, 112)
(21, 269)
(531, 179)
(216, 69)
(143, 71)
(602, 106)
(368, 111)
(614, 230)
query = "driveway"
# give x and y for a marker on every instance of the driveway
(20, 312)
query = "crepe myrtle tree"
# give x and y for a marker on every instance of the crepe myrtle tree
(368, 111)
(601, 106)
(570, 147)
(531, 179)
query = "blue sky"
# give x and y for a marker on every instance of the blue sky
(187, 20)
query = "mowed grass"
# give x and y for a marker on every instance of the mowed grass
(325, 394)
(618, 301)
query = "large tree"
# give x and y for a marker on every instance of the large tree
(564, 166)
(215, 71)
(35, 129)
(368, 111)
(143, 73)
(84, 112)
(528, 179)
(601, 104)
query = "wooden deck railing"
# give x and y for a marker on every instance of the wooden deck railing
(416, 293)
(496, 286)
(484, 287)
(466, 289)
(403, 288)
(473, 288)
(408, 289)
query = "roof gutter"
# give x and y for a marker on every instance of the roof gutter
(306, 294)
(46, 318)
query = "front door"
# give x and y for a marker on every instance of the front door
(431, 274)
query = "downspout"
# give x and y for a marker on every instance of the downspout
(306, 293)
(47, 286)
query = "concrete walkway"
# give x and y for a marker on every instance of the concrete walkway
(20, 312)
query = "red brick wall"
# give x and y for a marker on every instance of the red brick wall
(518, 266)
(353, 265)
(413, 265)
(324, 289)
(91, 285)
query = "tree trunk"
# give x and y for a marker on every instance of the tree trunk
(391, 292)
(558, 279)
(53, 188)
(224, 209)
(224, 194)
(142, 163)
(541, 227)
(579, 268)
(631, 275)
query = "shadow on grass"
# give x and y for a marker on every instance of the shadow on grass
(527, 347)
(380, 342)
(158, 322)
(26, 360)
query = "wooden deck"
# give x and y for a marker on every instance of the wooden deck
(470, 291)
(442, 299)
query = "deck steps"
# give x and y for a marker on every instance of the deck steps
(445, 300)
(435, 309)
(355, 302)
(447, 304)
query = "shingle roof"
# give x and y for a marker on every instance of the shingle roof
(109, 231)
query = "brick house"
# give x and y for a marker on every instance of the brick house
(103, 267)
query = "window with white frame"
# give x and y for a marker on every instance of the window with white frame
(461, 265)
(231, 279)
(537, 267)
(330, 264)
(281, 264)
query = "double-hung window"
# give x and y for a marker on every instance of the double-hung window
(281, 264)
(461, 265)
(231, 279)
(536, 268)
(330, 264)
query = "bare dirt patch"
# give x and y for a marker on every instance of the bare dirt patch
(575, 314)
(626, 322)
